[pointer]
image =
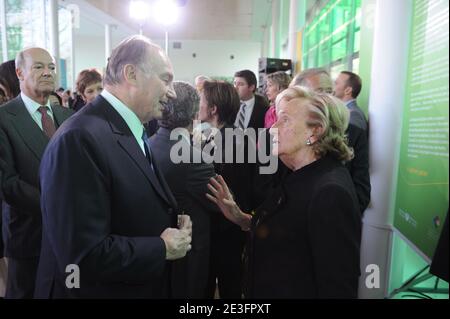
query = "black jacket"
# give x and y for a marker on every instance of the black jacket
(188, 183)
(259, 113)
(359, 165)
(305, 238)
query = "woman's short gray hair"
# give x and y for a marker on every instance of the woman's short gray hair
(134, 50)
(279, 78)
(327, 112)
(180, 112)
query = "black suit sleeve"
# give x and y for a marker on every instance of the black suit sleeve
(334, 234)
(196, 184)
(359, 165)
(2, 247)
(75, 186)
(16, 191)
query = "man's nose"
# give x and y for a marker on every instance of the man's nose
(274, 129)
(48, 71)
(171, 94)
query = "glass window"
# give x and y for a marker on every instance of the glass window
(24, 26)
(332, 36)
(27, 25)
(356, 65)
(335, 70)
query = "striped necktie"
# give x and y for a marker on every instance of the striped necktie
(241, 116)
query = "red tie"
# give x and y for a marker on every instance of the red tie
(47, 123)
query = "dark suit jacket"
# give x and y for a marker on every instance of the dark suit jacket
(359, 165)
(102, 210)
(240, 177)
(358, 136)
(22, 144)
(2, 247)
(357, 116)
(259, 113)
(188, 182)
(305, 237)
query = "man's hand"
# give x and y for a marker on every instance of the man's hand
(178, 241)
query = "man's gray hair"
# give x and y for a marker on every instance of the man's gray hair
(180, 112)
(199, 78)
(20, 56)
(134, 50)
(20, 60)
(301, 78)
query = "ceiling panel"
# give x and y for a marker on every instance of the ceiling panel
(201, 19)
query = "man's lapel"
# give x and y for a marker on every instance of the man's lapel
(59, 116)
(127, 141)
(170, 198)
(27, 128)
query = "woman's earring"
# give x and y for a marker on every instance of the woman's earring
(308, 142)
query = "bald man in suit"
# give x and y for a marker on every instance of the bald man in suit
(27, 123)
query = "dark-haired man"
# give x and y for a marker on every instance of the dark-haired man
(347, 88)
(253, 106)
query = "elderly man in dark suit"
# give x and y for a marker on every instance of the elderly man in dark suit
(26, 125)
(188, 181)
(109, 217)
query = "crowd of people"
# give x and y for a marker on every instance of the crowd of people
(89, 182)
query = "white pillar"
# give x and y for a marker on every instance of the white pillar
(389, 71)
(293, 17)
(54, 35)
(274, 29)
(3, 29)
(108, 44)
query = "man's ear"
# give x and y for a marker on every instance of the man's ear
(213, 110)
(348, 91)
(130, 74)
(252, 88)
(19, 73)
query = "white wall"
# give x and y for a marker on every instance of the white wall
(90, 52)
(212, 57)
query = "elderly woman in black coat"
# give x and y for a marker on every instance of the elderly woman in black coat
(305, 238)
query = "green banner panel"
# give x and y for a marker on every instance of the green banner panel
(422, 190)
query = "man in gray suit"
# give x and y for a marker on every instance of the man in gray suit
(347, 88)
(26, 125)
